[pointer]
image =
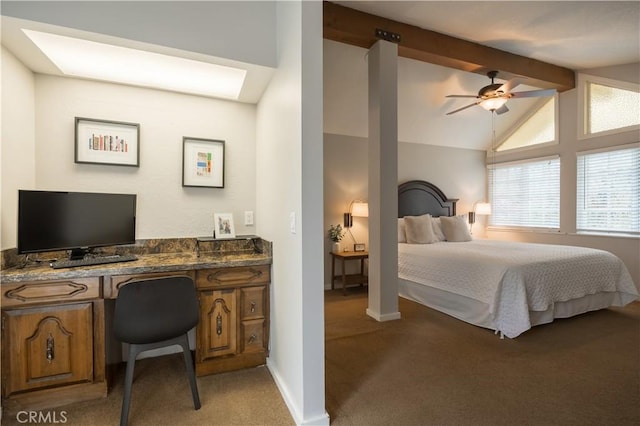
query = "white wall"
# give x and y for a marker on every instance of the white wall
(165, 208)
(289, 181)
(17, 143)
(458, 172)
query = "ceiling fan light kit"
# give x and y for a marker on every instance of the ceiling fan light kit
(494, 96)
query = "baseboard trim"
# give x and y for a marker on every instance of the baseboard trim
(321, 420)
(383, 317)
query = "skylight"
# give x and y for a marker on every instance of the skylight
(99, 61)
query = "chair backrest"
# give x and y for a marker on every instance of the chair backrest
(154, 310)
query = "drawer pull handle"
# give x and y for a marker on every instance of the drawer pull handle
(252, 338)
(253, 307)
(219, 325)
(50, 348)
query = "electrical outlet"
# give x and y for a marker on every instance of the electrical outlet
(248, 218)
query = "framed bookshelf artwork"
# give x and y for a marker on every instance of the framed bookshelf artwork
(202, 162)
(107, 142)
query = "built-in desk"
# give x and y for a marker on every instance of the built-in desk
(56, 323)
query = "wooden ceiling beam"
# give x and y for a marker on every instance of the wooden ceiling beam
(358, 28)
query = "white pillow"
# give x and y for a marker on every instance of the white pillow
(455, 228)
(437, 228)
(419, 229)
(402, 236)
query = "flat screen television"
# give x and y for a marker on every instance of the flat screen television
(76, 221)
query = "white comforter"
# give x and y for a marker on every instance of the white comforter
(513, 278)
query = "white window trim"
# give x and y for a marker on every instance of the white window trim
(608, 148)
(613, 234)
(506, 135)
(583, 79)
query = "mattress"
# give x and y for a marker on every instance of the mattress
(511, 286)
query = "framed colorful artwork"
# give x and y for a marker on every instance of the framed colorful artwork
(107, 142)
(202, 162)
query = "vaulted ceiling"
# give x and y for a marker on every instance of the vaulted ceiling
(544, 41)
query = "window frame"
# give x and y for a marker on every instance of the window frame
(583, 106)
(586, 152)
(527, 228)
(520, 122)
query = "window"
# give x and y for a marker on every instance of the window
(608, 198)
(539, 128)
(525, 194)
(609, 106)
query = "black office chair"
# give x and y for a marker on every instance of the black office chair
(156, 313)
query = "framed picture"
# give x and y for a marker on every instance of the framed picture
(202, 162)
(107, 142)
(358, 247)
(223, 226)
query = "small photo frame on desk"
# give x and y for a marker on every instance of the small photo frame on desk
(107, 142)
(202, 162)
(223, 226)
(359, 247)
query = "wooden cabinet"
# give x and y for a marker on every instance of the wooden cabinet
(52, 342)
(57, 345)
(53, 346)
(233, 331)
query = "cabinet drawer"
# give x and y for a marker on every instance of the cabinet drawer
(219, 277)
(113, 283)
(252, 336)
(252, 302)
(28, 293)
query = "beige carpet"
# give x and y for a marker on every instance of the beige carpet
(425, 369)
(161, 396)
(431, 369)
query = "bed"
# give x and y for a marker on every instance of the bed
(504, 286)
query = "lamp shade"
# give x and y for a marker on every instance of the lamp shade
(492, 104)
(360, 209)
(483, 208)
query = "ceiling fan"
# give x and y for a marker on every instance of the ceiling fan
(495, 96)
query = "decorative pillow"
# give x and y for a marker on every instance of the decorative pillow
(455, 228)
(402, 236)
(437, 229)
(419, 229)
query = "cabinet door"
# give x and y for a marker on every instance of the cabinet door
(47, 346)
(217, 327)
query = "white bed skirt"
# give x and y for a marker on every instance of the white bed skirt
(477, 313)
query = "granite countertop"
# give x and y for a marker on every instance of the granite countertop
(162, 262)
(163, 255)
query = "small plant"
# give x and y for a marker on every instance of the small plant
(335, 233)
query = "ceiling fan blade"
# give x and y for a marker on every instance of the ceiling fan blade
(533, 93)
(464, 107)
(509, 85)
(461, 96)
(502, 109)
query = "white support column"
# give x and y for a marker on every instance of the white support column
(383, 181)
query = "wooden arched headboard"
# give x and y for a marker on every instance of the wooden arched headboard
(418, 197)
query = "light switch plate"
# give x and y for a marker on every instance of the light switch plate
(248, 218)
(292, 222)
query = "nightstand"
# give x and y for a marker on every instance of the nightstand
(343, 256)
